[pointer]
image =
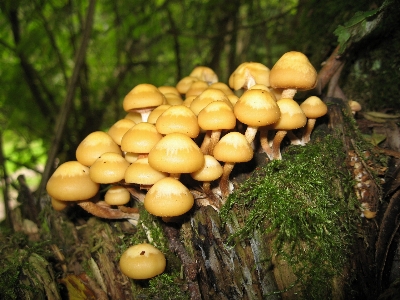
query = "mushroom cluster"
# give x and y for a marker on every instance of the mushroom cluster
(198, 130)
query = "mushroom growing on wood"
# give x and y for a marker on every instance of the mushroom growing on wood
(232, 148)
(313, 107)
(292, 117)
(256, 108)
(71, 182)
(142, 261)
(293, 72)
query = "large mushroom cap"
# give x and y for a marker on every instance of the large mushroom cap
(142, 261)
(293, 71)
(119, 128)
(140, 172)
(71, 182)
(168, 197)
(141, 138)
(257, 108)
(176, 153)
(249, 73)
(206, 97)
(143, 96)
(204, 73)
(178, 118)
(217, 115)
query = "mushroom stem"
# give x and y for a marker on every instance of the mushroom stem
(215, 136)
(224, 181)
(276, 144)
(250, 133)
(264, 141)
(294, 140)
(288, 93)
(307, 133)
(206, 142)
(102, 211)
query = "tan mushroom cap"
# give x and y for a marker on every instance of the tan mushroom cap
(71, 182)
(185, 83)
(293, 71)
(168, 197)
(157, 112)
(169, 89)
(211, 170)
(234, 148)
(206, 97)
(248, 74)
(108, 168)
(313, 107)
(117, 195)
(257, 108)
(173, 99)
(292, 117)
(205, 74)
(223, 87)
(140, 172)
(141, 138)
(176, 153)
(59, 205)
(178, 118)
(142, 96)
(119, 128)
(197, 88)
(216, 116)
(142, 261)
(94, 145)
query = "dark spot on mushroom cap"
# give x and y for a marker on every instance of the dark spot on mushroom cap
(142, 253)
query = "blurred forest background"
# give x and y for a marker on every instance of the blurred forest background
(44, 77)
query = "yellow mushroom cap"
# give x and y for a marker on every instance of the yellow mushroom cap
(157, 112)
(143, 96)
(58, 205)
(168, 89)
(108, 168)
(216, 116)
(293, 71)
(197, 88)
(140, 172)
(292, 117)
(176, 153)
(142, 261)
(141, 138)
(211, 170)
(257, 108)
(184, 84)
(93, 146)
(117, 195)
(233, 147)
(223, 87)
(313, 107)
(168, 197)
(206, 97)
(204, 73)
(178, 118)
(173, 99)
(119, 128)
(71, 182)
(248, 74)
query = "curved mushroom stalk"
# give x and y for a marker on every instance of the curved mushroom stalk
(276, 144)
(224, 181)
(106, 212)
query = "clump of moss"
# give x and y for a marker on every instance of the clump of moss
(306, 201)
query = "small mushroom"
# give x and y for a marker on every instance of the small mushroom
(313, 107)
(142, 261)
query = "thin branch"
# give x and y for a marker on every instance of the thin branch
(65, 109)
(5, 185)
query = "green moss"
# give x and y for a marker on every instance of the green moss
(302, 200)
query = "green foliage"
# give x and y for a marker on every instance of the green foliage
(166, 287)
(296, 199)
